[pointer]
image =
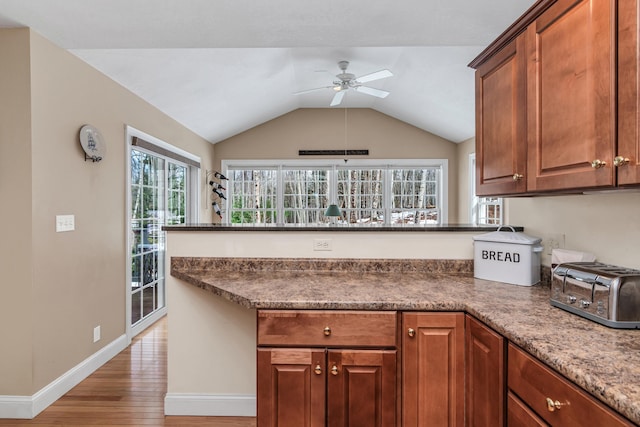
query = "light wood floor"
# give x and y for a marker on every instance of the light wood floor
(127, 391)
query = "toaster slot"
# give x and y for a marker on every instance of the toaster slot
(580, 285)
(628, 301)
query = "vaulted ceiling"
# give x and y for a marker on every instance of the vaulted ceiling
(221, 67)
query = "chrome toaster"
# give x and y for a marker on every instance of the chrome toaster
(604, 293)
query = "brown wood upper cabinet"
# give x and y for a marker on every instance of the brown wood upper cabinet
(501, 134)
(580, 106)
(571, 96)
(628, 93)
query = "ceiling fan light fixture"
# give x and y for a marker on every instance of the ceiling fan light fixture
(348, 81)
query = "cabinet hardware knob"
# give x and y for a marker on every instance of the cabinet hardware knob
(318, 369)
(327, 331)
(334, 370)
(597, 164)
(620, 161)
(517, 176)
(553, 405)
(411, 332)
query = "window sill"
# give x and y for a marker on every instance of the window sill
(342, 228)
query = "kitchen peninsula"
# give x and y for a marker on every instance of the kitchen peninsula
(214, 294)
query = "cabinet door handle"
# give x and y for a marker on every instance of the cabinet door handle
(517, 176)
(597, 164)
(621, 161)
(334, 370)
(318, 369)
(411, 332)
(553, 405)
(327, 331)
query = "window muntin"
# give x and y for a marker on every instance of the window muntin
(415, 196)
(399, 193)
(158, 197)
(489, 210)
(305, 195)
(253, 196)
(484, 210)
(360, 195)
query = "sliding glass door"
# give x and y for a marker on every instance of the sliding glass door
(158, 197)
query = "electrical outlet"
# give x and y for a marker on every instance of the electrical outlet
(552, 241)
(322, 245)
(65, 223)
(96, 334)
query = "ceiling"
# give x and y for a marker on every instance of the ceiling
(221, 67)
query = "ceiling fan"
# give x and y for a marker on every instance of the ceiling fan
(346, 81)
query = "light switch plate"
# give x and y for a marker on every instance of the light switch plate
(65, 223)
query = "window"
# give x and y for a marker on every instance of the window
(484, 210)
(305, 195)
(253, 196)
(163, 185)
(402, 192)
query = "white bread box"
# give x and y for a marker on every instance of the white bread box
(507, 256)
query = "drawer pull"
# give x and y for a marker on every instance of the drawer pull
(318, 369)
(597, 164)
(334, 370)
(411, 332)
(553, 405)
(327, 331)
(621, 161)
(517, 177)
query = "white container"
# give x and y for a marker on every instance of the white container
(507, 256)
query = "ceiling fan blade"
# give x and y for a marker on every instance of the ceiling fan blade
(337, 98)
(382, 74)
(312, 90)
(372, 91)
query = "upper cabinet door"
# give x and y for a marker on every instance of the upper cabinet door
(628, 152)
(501, 122)
(571, 96)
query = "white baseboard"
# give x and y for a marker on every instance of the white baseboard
(210, 405)
(27, 407)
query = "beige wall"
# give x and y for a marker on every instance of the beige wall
(59, 286)
(465, 148)
(16, 283)
(324, 128)
(605, 224)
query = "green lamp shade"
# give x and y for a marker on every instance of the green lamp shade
(333, 210)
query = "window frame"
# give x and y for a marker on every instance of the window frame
(476, 202)
(333, 165)
(169, 153)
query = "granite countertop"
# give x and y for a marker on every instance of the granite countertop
(341, 228)
(603, 361)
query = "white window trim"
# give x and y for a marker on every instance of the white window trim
(280, 164)
(473, 199)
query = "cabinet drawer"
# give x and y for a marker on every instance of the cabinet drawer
(533, 382)
(519, 414)
(313, 328)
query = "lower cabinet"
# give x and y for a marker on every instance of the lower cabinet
(432, 369)
(485, 385)
(520, 415)
(539, 396)
(332, 384)
(376, 369)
